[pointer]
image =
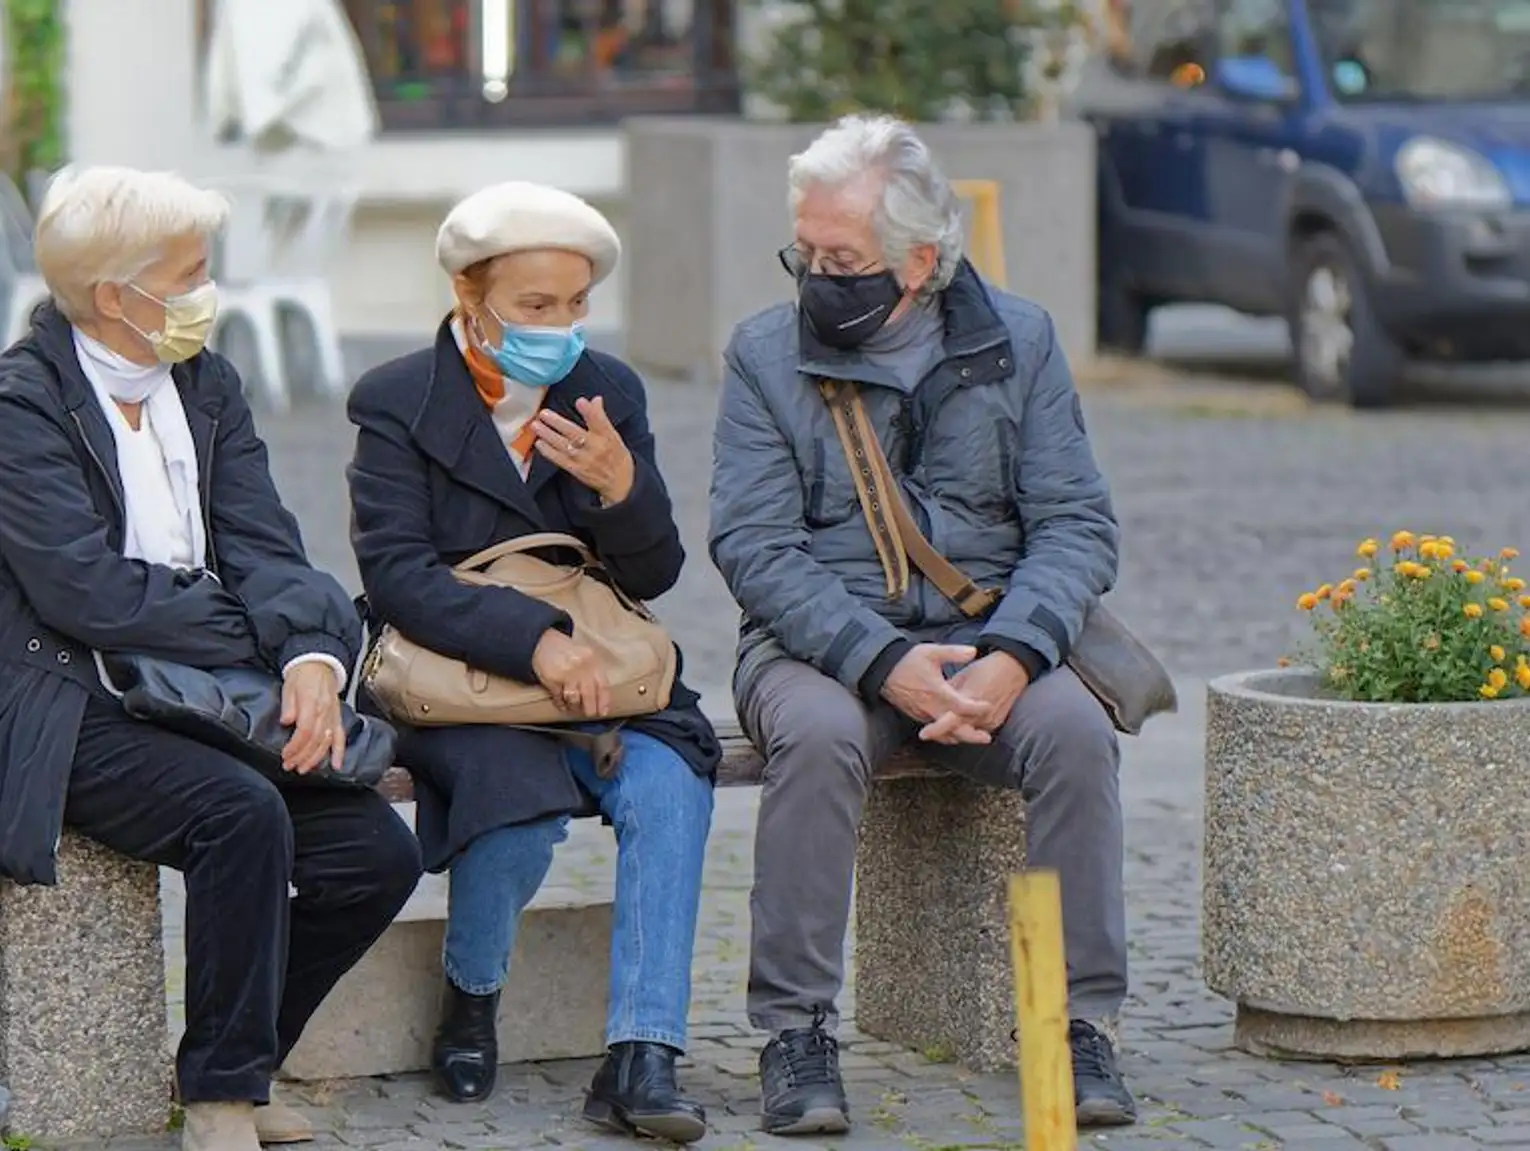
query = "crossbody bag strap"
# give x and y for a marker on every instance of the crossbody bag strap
(604, 747)
(894, 530)
(871, 488)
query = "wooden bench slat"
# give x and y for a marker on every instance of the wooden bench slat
(742, 766)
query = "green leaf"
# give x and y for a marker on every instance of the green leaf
(32, 136)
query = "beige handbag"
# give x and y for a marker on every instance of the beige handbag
(419, 687)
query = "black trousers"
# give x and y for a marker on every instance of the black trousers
(258, 961)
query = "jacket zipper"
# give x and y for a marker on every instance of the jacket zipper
(106, 472)
(205, 494)
(121, 511)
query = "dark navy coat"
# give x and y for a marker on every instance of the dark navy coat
(66, 589)
(432, 483)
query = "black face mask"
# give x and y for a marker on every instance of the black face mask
(845, 311)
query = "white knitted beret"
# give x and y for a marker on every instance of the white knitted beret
(519, 217)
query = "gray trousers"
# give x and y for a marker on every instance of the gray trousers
(820, 744)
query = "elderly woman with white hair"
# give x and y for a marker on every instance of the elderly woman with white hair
(506, 427)
(138, 517)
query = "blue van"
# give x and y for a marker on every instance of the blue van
(1360, 167)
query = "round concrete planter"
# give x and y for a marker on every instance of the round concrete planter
(1367, 872)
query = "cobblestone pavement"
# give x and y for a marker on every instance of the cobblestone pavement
(1232, 501)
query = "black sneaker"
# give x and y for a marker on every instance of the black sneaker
(801, 1092)
(1099, 1093)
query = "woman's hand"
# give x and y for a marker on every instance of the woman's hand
(572, 673)
(311, 707)
(594, 455)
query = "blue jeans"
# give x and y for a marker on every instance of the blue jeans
(661, 811)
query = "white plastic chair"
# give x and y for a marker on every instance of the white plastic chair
(23, 287)
(241, 265)
(272, 275)
(318, 228)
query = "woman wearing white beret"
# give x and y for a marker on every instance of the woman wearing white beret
(507, 426)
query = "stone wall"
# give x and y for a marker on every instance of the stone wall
(707, 211)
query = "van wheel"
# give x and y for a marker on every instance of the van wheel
(1122, 324)
(1343, 355)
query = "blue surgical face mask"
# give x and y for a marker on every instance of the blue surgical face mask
(536, 357)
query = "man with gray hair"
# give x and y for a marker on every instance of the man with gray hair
(850, 647)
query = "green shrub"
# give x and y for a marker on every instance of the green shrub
(923, 60)
(1420, 623)
(32, 134)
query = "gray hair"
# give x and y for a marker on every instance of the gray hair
(917, 204)
(106, 225)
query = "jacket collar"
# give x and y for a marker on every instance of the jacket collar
(53, 339)
(971, 326)
(454, 427)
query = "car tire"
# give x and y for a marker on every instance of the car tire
(1342, 353)
(1122, 324)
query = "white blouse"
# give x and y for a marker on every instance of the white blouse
(157, 465)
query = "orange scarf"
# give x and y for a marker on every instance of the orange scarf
(490, 382)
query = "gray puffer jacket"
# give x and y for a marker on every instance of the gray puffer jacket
(992, 454)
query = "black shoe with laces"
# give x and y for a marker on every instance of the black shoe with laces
(801, 1092)
(1099, 1092)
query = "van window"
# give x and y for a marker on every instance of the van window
(1424, 49)
(1257, 28)
(1168, 41)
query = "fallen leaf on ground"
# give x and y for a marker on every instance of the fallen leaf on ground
(1389, 1081)
(1333, 1099)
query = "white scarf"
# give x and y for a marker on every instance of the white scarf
(116, 378)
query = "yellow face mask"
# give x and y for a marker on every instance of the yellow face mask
(189, 320)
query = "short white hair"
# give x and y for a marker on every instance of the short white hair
(917, 204)
(106, 225)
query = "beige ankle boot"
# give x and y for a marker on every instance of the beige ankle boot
(219, 1127)
(278, 1123)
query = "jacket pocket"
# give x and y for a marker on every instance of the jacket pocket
(831, 494)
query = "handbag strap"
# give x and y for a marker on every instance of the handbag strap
(536, 540)
(894, 530)
(604, 747)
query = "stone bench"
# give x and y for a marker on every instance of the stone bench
(933, 969)
(554, 1006)
(84, 1048)
(84, 1052)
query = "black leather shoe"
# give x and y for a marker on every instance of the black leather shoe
(635, 1093)
(465, 1056)
(1099, 1092)
(801, 1092)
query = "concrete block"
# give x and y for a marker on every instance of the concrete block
(707, 211)
(83, 1049)
(933, 968)
(1367, 870)
(382, 1016)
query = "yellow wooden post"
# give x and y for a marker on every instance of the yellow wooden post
(987, 248)
(1041, 1011)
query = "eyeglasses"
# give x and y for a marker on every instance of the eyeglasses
(799, 264)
